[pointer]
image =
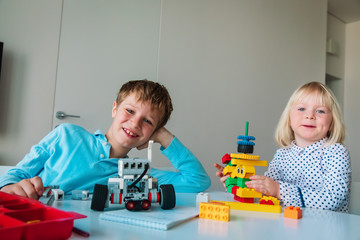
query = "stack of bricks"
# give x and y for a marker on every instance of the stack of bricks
(241, 166)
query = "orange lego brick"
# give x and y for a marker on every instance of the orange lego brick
(293, 212)
(214, 211)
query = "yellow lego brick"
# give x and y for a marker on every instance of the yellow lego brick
(214, 211)
(244, 156)
(243, 172)
(273, 199)
(228, 169)
(260, 163)
(248, 193)
(252, 206)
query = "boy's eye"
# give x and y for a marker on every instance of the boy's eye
(148, 121)
(130, 111)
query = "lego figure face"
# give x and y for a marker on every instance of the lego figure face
(134, 123)
(310, 120)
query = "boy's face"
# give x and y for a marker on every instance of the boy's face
(310, 121)
(134, 122)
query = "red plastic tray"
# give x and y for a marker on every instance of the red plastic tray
(24, 218)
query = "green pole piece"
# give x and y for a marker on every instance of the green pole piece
(246, 128)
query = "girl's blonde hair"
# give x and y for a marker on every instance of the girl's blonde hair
(284, 135)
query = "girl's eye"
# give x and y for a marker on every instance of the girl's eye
(301, 109)
(130, 111)
(147, 121)
(320, 111)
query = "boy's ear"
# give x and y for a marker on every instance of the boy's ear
(114, 109)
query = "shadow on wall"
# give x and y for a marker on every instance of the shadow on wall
(10, 83)
(354, 198)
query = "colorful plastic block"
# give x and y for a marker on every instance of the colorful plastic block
(248, 193)
(252, 207)
(228, 169)
(244, 200)
(268, 199)
(293, 212)
(226, 158)
(241, 182)
(243, 172)
(235, 161)
(231, 181)
(214, 211)
(244, 156)
(202, 197)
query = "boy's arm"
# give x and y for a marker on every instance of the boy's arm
(23, 179)
(191, 176)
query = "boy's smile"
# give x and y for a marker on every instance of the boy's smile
(130, 133)
(134, 123)
(310, 121)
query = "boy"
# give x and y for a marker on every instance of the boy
(72, 158)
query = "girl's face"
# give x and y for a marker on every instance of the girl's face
(309, 120)
(134, 123)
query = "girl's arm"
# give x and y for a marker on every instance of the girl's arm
(331, 191)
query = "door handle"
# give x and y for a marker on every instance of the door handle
(62, 115)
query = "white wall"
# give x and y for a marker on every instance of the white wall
(352, 97)
(30, 32)
(224, 63)
(228, 62)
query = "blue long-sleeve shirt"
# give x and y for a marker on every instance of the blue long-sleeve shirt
(314, 177)
(72, 158)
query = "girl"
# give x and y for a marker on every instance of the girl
(312, 167)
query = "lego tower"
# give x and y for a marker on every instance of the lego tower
(241, 166)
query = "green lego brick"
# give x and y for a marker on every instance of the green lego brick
(231, 181)
(241, 182)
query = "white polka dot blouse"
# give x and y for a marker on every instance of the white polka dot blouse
(314, 177)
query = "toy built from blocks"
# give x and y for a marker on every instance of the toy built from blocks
(241, 166)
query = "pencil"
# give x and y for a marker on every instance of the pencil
(80, 232)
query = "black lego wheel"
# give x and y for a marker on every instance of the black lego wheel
(167, 196)
(245, 148)
(99, 198)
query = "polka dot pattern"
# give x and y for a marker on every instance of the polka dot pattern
(317, 176)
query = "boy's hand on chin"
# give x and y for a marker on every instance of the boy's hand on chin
(162, 136)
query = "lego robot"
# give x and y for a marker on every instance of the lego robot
(134, 188)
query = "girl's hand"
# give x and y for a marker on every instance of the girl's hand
(31, 188)
(264, 185)
(220, 173)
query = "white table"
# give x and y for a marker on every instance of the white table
(315, 224)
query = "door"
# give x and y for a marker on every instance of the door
(103, 44)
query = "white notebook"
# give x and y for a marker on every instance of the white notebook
(155, 217)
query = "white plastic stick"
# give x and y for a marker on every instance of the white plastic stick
(150, 149)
